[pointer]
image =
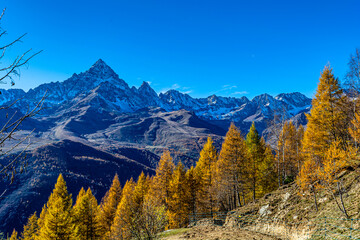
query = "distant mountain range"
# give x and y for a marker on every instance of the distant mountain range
(101, 89)
(94, 120)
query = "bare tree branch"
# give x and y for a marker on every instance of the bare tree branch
(19, 60)
(12, 149)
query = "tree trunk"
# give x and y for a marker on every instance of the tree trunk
(342, 201)
(239, 198)
(283, 163)
(243, 195)
(279, 175)
(315, 200)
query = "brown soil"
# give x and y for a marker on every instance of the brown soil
(208, 232)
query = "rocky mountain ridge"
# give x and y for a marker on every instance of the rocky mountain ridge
(101, 86)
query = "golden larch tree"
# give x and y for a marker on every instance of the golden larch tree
(178, 199)
(327, 120)
(85, 216)
(31, 229)
(204, 172)
(193, 186)
(124, 216)
(108, 207)
(161, 181)
(230, 171)
(267, 172)
(14, 235)
(58, 221)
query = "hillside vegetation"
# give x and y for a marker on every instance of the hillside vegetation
(284, 214)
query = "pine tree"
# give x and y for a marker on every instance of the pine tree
(255, 151)
(178, 199)
(14, 235)
(41, 218)
(141, 189)
(327, 123)
(164, 171)
(267, 172)
(288, 149)
(327, 120)
(204, 172)
(124, 216)
(108, 207)
(230, 171)
(58, 222)
(193, 186)
(31, 229)
(85, 216)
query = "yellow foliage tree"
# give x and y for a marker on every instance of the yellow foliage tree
(204, 172)
(124, 216)
(267, 172)
(31, 228)
(230, 171)
(58, 221)
(85, 216)
(141, 189)
(178, 199)
(326, 121)
(193, 186)
(161, 181)
(14, 235)
(108, 207)
(138, 222)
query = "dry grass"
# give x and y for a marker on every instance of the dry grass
(295, 217)
(289, 216)
(172, 232)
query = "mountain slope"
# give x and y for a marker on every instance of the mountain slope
(101, 88)
(81, 165)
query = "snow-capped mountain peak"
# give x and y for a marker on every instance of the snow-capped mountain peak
(146, 89)
(101, 67)
(100, 85)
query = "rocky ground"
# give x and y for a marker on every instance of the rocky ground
(208, 231)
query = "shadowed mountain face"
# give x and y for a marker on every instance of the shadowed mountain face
(80, 164)
(94, 125)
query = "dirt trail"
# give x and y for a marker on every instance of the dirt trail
(218, 233)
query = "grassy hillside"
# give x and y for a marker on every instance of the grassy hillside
(287, 213)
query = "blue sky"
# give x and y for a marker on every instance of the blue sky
(202, 47)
